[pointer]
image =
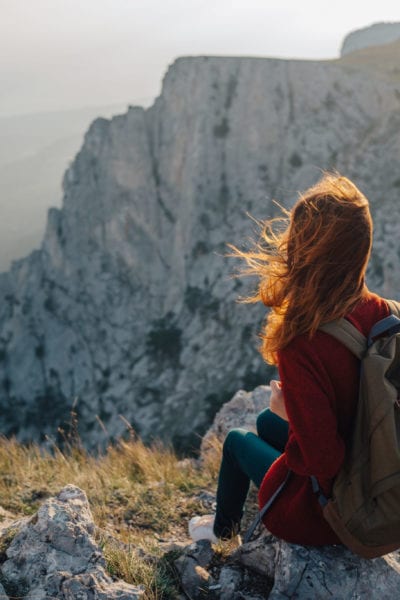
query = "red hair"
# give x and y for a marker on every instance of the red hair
(311, 264)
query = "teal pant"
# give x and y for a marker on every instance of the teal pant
(246, 457)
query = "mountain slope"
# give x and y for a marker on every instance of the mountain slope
(128, 307)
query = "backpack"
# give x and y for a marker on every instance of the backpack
(364, 510)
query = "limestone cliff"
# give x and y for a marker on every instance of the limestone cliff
(128, 306)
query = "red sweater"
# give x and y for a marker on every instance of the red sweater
(320, 387)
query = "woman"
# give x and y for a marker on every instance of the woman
(310, 273)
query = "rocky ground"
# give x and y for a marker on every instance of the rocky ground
(59, 552)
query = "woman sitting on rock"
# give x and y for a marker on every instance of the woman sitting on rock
(311, 273)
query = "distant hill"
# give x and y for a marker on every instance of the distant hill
(375, 35)
(381, 61)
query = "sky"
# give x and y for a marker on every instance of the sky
(67, 54)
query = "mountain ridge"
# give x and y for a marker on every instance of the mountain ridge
(376, 34)
(129, 306)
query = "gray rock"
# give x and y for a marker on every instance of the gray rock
(54, 555)
(229, 581)
(191, 566)
(83, 587)
(377, 34)
(128, 308)
(320, 573)
(273, 569)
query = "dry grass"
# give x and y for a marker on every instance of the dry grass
(143, 496)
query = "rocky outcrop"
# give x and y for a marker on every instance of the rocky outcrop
(273, 569)
(54, 555)
(377, 34)
(128, 308)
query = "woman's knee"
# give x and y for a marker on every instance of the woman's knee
(263, 423)
(272, 429)
(234, 440)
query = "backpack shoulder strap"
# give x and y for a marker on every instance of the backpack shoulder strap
(352, 338)
(394, 307)
(347, 334)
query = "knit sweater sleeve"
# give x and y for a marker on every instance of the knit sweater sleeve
(314, 446)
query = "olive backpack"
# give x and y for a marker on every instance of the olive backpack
(364, 510)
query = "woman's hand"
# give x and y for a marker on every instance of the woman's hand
(276, 402)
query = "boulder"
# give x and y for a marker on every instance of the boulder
(54, 555)
(320, 573)
(195, 579)
(271, 568)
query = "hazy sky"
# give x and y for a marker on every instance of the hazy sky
(60, 54)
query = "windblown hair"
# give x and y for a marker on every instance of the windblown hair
(311, 264)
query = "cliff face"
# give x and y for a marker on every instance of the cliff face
(128, 306)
